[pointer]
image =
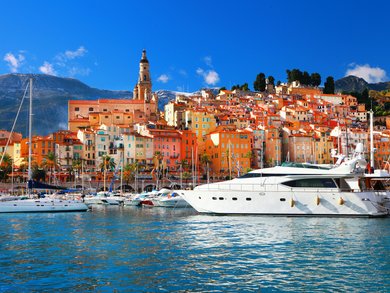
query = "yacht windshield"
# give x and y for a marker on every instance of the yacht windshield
(304, 165)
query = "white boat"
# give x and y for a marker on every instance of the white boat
(22, 205)
(104, 198)
(41, 205)
(169, 199)
(134, 199)
(302, 190)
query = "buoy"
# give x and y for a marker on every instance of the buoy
(341, 201)
(292, 202)
(318, 200)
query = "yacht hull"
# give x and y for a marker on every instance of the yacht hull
(42, 206)
(299, 203)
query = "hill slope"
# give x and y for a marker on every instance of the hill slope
(356, 84)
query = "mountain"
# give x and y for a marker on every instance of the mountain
(50, 104)
(356, 84)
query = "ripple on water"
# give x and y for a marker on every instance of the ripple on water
(160, 250)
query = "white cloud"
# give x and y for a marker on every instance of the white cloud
(163, 78)
(208, 61)
(75, 54)
(200, 71)
(14, 62)
(47, 68)
(73, 71)
(368, 73)
(211, 77)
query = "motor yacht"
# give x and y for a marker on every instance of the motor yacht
(295, 190)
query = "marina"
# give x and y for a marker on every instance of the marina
(132, 249)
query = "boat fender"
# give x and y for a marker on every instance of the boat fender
(318, 200)
(292, 202)
(341, 201)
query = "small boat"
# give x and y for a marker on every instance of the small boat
(172, 200)
(104, 198)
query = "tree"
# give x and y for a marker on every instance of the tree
(259, 84)
(329, 85)
(50, 163)
(244, 87)
(107, 163)
(6, 167)
(222, 89)
(271, 80)
(129, 171)
(294, 75)
(305, 78)
(205, 161)
(315, 79)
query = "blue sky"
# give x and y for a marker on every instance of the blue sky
(194, 44)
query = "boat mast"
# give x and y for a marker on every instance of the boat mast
(30, 141)
(372, 150)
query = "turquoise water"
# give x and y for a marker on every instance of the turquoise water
(162, 250)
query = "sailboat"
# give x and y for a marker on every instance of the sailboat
(40, 205)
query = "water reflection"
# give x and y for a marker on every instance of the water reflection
(147, 250)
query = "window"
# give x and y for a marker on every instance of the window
(90, 109)
(77, 109)
(313, 183)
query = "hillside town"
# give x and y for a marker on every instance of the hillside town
(208, 136)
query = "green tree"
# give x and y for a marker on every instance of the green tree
(294, 75)
(315, 79)
(305, 78)
(329, 85)
(6, 167)
(205, 161)
(271, 80)
(259, 84)
(107, 163)
(222, 89)
(50, 163)
(244, 87)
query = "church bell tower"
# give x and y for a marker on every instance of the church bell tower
(143, 89)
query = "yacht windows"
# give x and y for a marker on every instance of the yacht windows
(234, 198)
(248, 199)
(312, 182)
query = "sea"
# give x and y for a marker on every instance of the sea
(131, 249)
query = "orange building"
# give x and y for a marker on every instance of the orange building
(41, 147)
(229, 150)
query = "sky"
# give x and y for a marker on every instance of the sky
(194, 44)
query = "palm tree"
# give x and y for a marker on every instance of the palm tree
(5, 167)
(106, 164)
(77, 165)
(50, 162)
(205, 161)
(157, 161)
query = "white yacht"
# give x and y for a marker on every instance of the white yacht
(42, 205)
(296, 190)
